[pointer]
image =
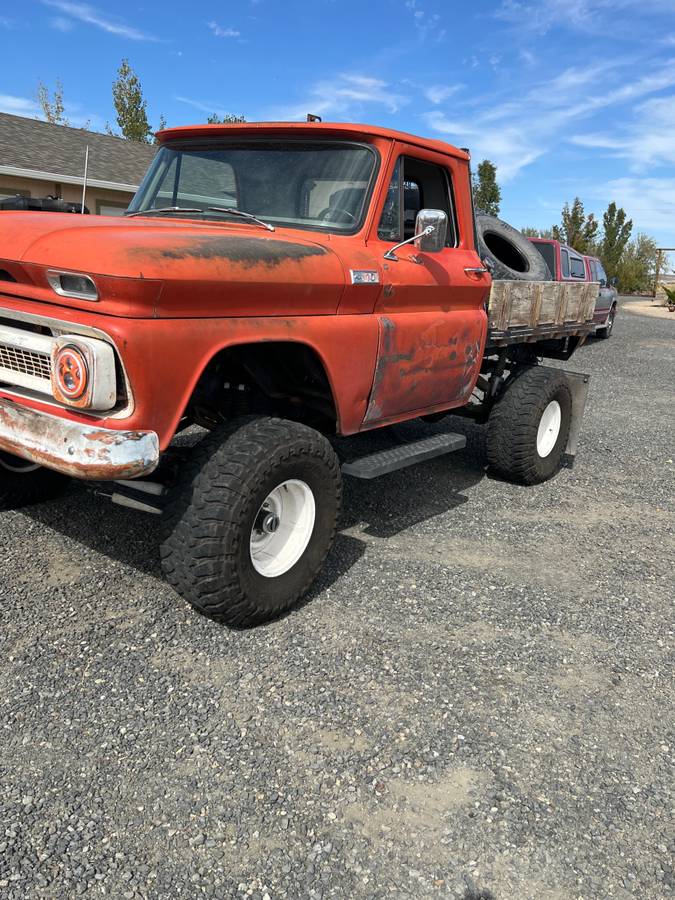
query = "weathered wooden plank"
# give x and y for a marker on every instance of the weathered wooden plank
(535, 304)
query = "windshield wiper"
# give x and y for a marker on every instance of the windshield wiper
(244, 215)
(188, 209)
(164, 209)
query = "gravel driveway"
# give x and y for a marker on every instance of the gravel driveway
(475, 702)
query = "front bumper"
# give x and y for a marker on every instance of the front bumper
(81, 451)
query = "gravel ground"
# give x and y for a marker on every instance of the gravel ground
(475, 702)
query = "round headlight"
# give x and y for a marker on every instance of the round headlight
(72, 374)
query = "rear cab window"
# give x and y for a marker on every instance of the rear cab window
(577, 268)
(416, 184)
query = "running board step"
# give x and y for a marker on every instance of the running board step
(386, 461)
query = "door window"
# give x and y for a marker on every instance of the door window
(416, 185)
(577, 268)
(565, 263)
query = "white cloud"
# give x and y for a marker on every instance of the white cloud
(223, 32)
(209, 107)
(18, 106)
(89, 15)
(647, 141)
(437, 93)
(514, 133)
(345, 95)
(6, 23)
(649, 202)
(61, 24)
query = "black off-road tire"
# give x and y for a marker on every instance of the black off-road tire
(210, 514)
(514, 422)
(606, 332)
(22, 484)
(510, 254)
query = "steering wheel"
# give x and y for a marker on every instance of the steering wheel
(333, 214)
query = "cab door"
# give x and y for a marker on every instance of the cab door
(431, 311)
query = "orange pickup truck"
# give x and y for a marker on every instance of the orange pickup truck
(275, 284)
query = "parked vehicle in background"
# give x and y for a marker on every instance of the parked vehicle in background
(42, 204)
(607, 302)
(275, 284)
(566, 264)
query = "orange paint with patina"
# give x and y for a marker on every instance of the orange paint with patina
(405, 340)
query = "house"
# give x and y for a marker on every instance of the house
(38, 159)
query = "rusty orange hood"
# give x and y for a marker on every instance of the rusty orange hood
(199, 269)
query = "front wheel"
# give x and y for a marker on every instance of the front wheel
(252, 520)
(529, 426)
(23, 482)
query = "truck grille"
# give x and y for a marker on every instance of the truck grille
(25, 362)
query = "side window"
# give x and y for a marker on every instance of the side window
(390, 222)
(602, 275)
(416, 185)
(577, 268)
(565, 263)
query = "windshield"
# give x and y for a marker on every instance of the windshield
(310, 185)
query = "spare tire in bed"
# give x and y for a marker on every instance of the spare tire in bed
(512, 256)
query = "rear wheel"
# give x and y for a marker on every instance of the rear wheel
(252, 520)
(23, 482)
(529, 426)
(606, 330)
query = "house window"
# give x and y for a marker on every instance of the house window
(110, 208)
(415, 185)
(7, 192)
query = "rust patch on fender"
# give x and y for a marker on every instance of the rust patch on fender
(243, 251)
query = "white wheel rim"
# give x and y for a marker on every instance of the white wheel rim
(21, 466)
(282, 528)
(549, 428)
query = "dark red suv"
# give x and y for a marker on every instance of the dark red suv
(566, 264)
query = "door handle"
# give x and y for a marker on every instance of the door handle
(477, 269)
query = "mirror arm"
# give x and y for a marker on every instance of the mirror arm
(391, 254)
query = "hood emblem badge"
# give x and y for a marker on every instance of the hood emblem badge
(365, 276)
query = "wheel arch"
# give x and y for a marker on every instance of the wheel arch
(267, 362)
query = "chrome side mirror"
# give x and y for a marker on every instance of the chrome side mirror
(431, 229)
(431, 241)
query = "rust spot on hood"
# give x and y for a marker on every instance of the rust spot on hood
(244, 251)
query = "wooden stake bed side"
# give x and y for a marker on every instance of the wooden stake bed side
(527, 311)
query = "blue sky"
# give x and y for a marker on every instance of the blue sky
(567, 98)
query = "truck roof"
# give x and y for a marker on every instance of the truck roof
(324, 129)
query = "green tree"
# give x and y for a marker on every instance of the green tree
(576, 228)
(161, 125)
(130, 105)
(52, 109)
(529, 231)
(637, 264)
(617, 232)
(224, 120)
(486, 192)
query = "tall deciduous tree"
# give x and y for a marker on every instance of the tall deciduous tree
(636, 267)
(486, 192)
(130, 105)
(224, 120)
(52, 109)
(576, 228)
(617, 232)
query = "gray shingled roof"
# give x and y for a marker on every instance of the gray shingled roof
(59, 150)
